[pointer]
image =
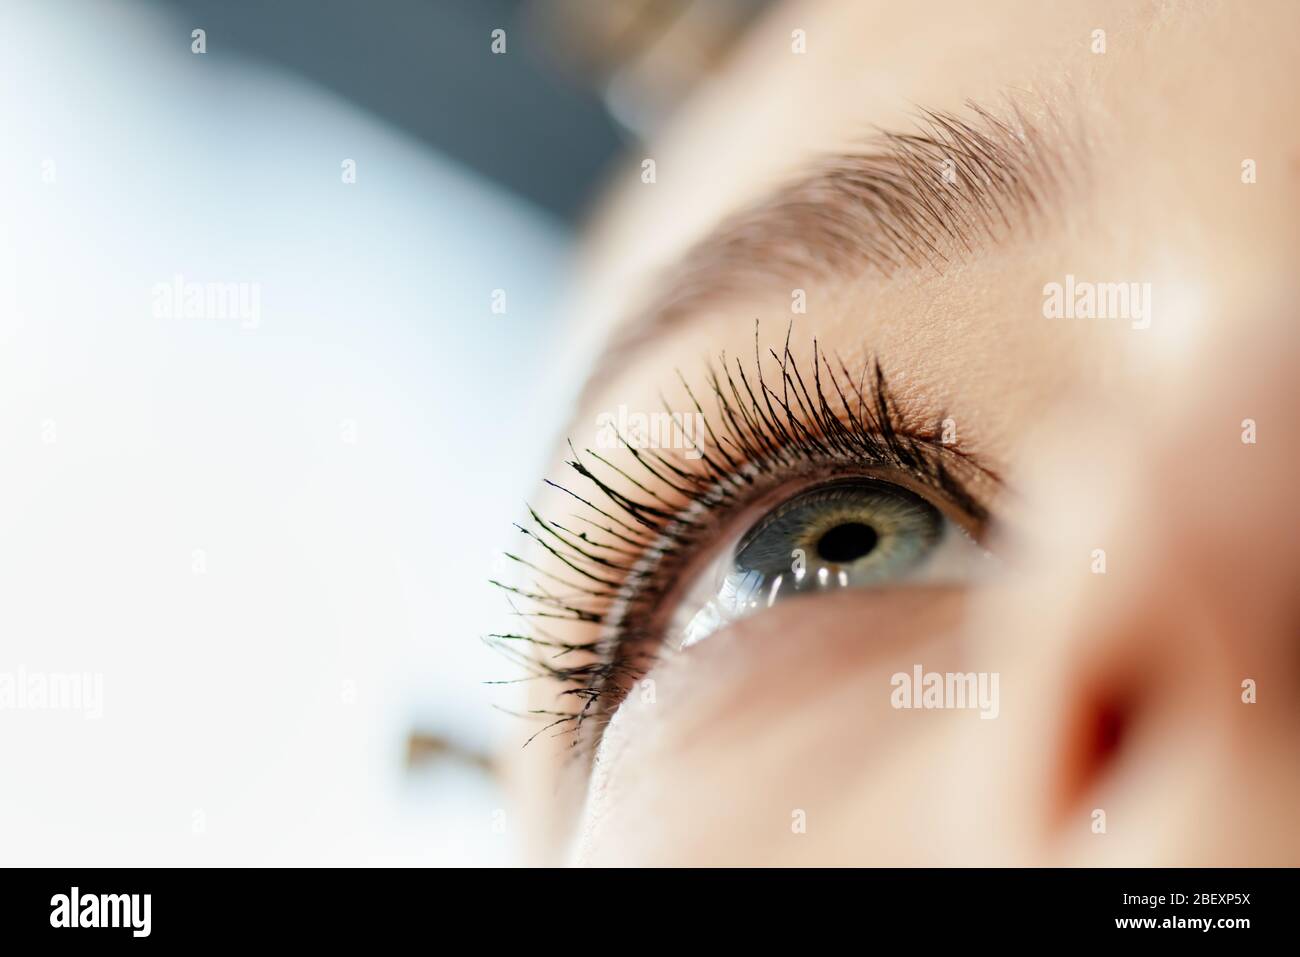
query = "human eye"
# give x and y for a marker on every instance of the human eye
(860, 532)
(800, 480)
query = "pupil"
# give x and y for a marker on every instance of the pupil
(846, 543)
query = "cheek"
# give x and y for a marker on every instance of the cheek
(782, 720)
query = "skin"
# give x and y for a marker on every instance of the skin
(1107, 436)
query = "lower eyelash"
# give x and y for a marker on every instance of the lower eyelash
(625, 554)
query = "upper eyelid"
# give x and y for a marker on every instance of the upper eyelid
(868, 417)
(870, 428)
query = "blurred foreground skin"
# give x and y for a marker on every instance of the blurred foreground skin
(1121, 694)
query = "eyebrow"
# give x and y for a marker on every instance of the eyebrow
(922, 200)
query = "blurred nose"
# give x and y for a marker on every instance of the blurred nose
(1149, 627)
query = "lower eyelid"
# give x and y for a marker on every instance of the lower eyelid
(754, 658)
(636, 626)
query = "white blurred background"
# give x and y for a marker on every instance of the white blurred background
(270, 538)
(263, 536)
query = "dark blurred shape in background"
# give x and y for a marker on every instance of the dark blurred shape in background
(581, 79)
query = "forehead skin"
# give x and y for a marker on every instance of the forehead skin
(1182, 95)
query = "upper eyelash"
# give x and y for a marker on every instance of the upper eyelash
(625, 571)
